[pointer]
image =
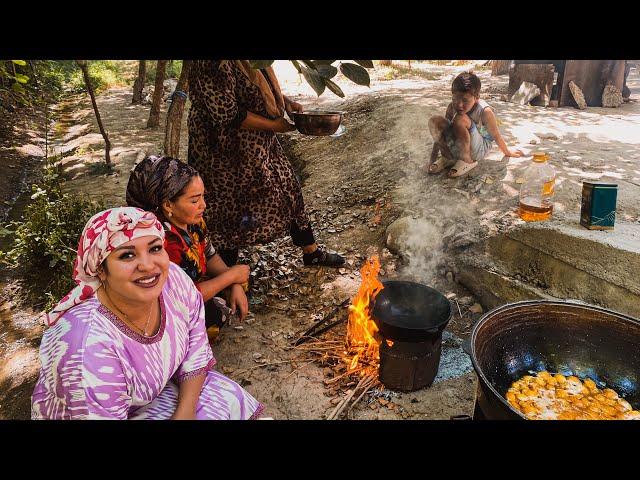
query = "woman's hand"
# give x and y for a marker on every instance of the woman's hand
(241, 273)
(291, 106)
(281, 125)
(238, 301)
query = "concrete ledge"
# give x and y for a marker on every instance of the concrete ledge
(556, 261)
(494, 289)
(612, 255)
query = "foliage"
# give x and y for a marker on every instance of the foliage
(318, 73)
(173, 70)
(46, 238)
(103, 74)
(13, 79)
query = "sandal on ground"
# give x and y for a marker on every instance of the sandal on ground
(437, 166)
(461, 168)
(322, 258)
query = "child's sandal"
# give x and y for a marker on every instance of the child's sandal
(437, 166)
(461, 168)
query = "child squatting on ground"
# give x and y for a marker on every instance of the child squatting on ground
(467, 131)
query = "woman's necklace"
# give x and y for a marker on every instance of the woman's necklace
(126, 317)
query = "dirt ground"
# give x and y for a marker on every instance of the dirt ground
(355, 185)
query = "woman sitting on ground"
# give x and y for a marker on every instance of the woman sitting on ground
(174, 192)
(129, 341)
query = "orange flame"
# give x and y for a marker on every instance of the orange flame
(362, 344)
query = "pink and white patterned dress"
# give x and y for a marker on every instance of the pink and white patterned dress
(95, 367)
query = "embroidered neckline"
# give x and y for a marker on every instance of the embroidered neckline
(130, 332)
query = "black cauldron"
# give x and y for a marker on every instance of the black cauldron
(411, 318)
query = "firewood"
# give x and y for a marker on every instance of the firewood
(369, 386)
(338, 410)
(339, 377)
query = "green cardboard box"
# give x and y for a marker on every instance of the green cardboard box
(598, 210)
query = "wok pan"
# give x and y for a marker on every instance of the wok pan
(567, 337)
(410, 312)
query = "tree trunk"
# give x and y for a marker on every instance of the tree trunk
(385, 63)
(154, 115)
(176, 110)
(87, 81)
(500, 67)
(540, 74)
(138, 85)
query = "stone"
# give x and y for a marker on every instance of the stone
(417, 237)
(611, 97)
(578, 96)
(466, 301)
(396, 233)
(548, 136)
(476, 308)
(527, 92)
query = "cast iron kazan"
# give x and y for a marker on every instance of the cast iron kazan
(411, 318)
(410, 312)
(568, 337)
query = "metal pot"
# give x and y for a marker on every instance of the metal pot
(411, 318)
(317, 122)
(410, 311)
(568, 337)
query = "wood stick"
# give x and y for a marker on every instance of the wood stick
(331, 325)
(331, 415)
(335, 379)
(303, 338)
(368, 387)
(316, 349)
(298, 368)
(459, 312)
(341, 406)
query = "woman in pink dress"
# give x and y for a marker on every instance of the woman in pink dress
(129, 342)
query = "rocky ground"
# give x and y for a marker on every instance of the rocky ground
(365, 196)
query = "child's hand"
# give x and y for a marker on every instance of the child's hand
(516, 154)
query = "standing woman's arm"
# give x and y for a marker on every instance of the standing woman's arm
(214, 84)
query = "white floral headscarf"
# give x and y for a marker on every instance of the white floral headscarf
(103, 233)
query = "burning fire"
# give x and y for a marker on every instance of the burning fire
(362, 341)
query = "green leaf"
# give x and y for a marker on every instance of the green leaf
(260, 63)
(53, 262)
(297, 65)
(22, 63)
(16, 87)
(355, 73)
(327, 71)
(323, 62)
(310, 64)
(314, 79)
(21, 78)
(334, 88)
(365, 63)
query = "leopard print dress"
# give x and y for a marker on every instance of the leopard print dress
(252, 193)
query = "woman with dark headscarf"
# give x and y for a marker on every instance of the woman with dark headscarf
(251, 189)
(174, 191)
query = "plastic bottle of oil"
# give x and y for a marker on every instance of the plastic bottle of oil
(537, 190)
